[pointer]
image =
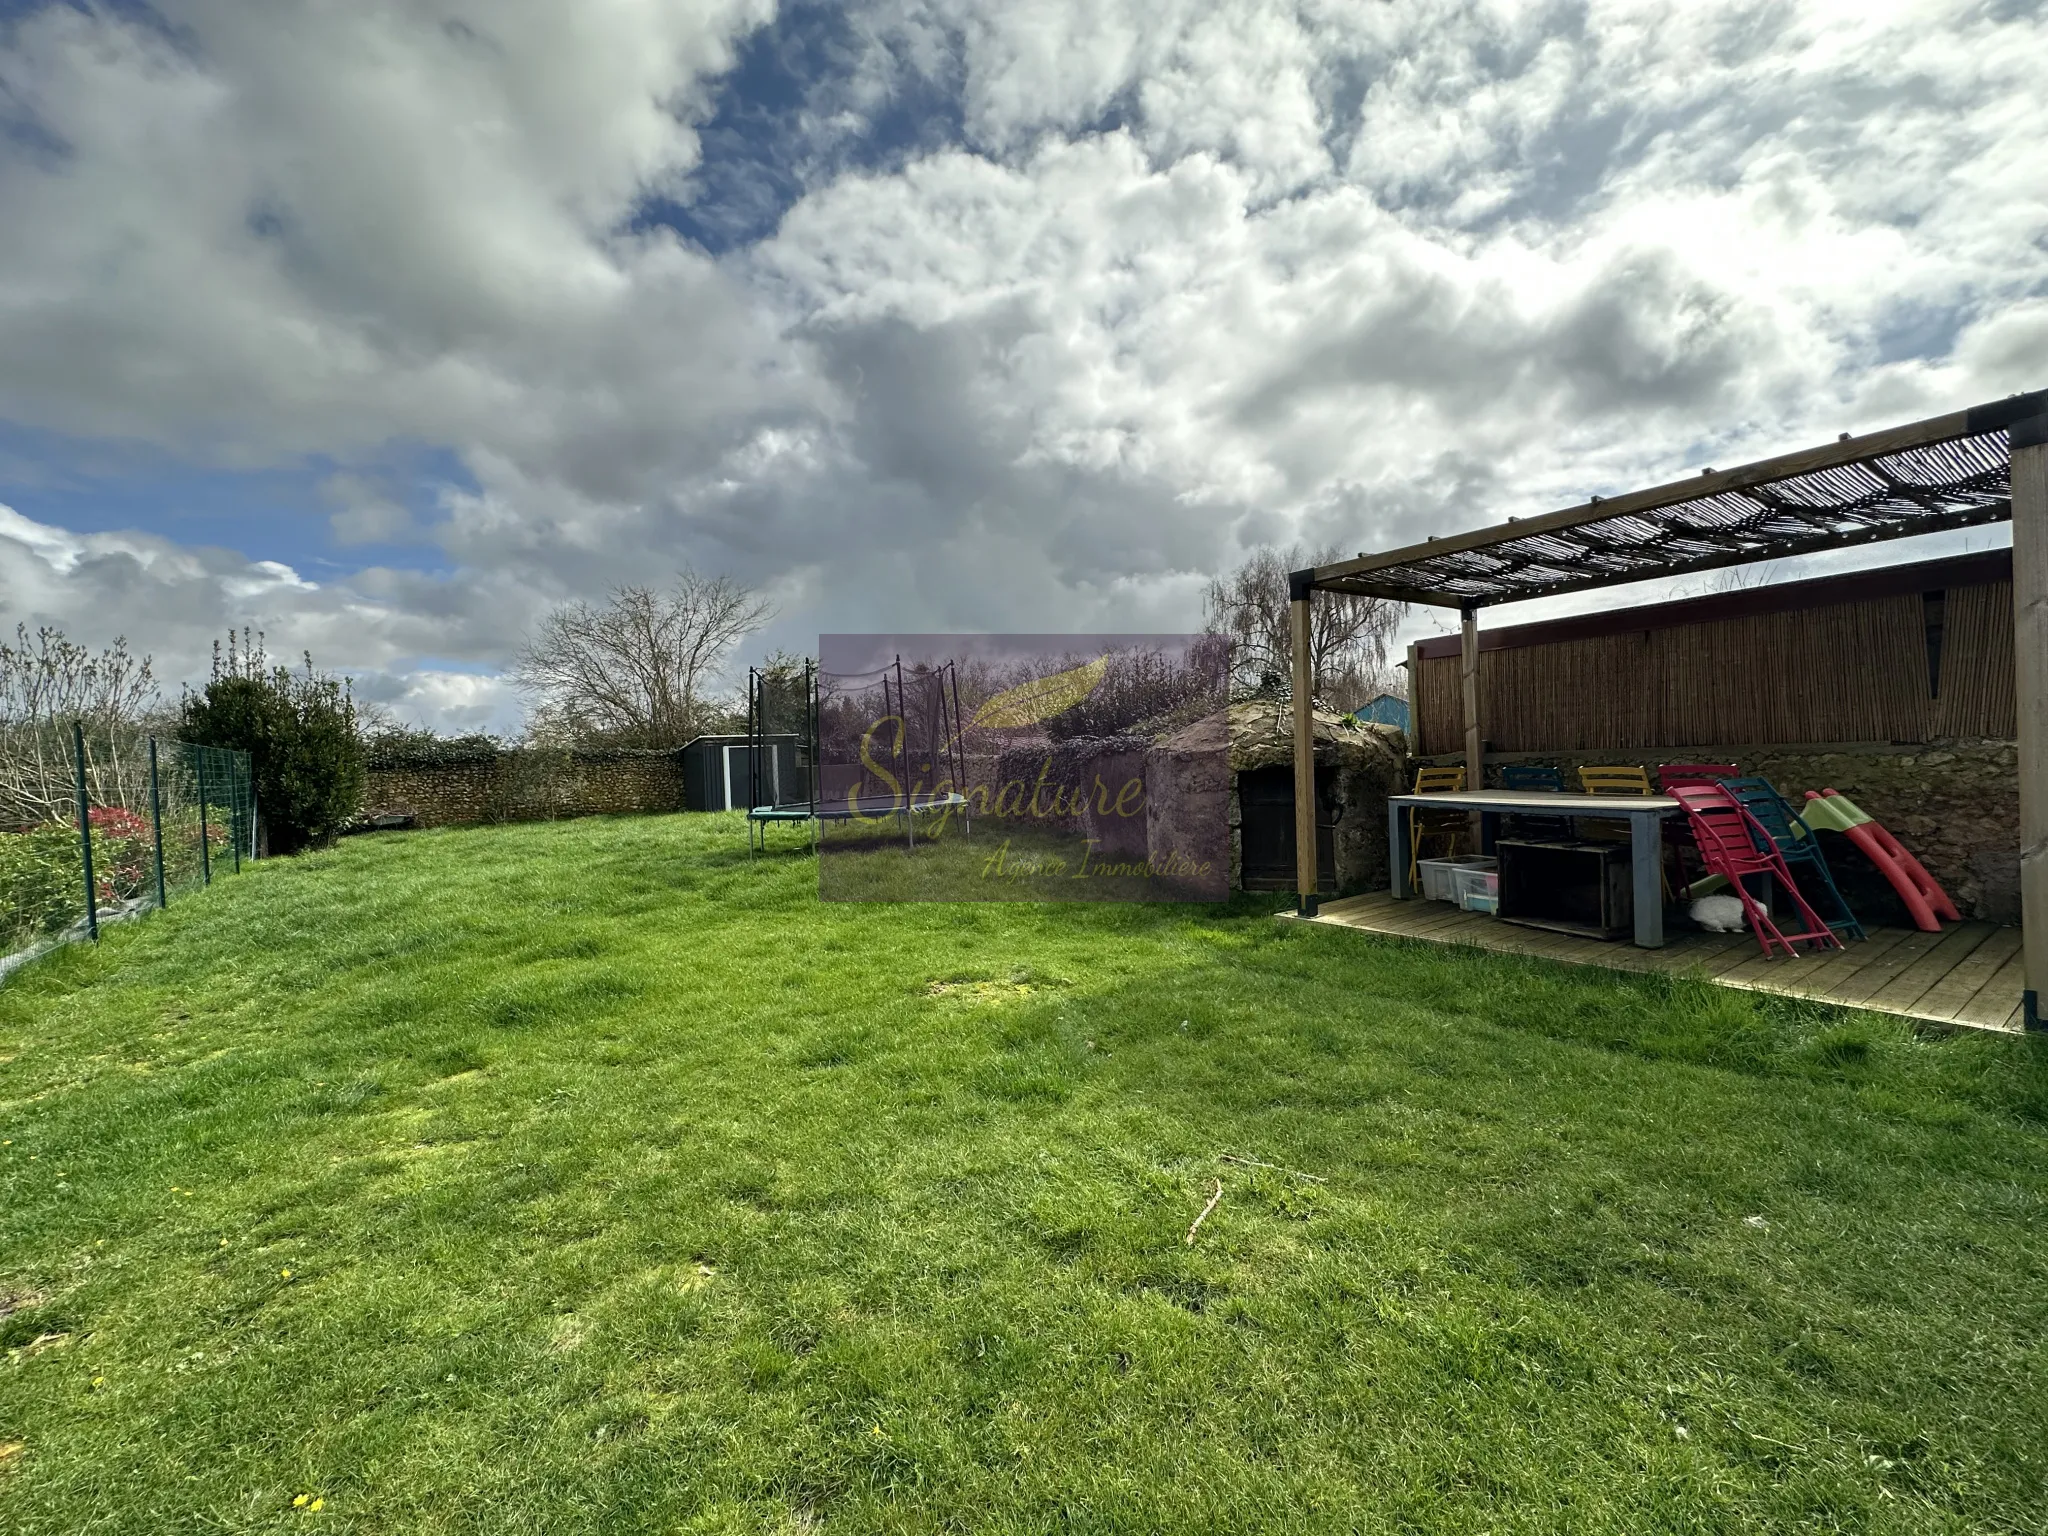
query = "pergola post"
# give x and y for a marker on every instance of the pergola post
(1468, 681)
(1300, 593)
(2030, 638)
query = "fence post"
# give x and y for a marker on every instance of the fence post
(205, 853)
(156, 822)
(235, 816)
(92, 900)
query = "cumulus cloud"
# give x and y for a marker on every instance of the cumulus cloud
(931, 313)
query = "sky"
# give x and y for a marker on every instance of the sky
(383, 327)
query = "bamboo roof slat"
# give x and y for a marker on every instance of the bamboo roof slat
(1947, 472)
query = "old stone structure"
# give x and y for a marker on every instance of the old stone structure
(1188, 775)
(1367, 763)
(520, 784)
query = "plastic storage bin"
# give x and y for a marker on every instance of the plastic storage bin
(1477, 886)
(1439, 875)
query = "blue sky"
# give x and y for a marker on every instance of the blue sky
(384, 327)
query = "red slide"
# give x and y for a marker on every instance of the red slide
(1924, 898)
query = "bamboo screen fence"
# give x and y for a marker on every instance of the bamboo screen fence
(1840, 672)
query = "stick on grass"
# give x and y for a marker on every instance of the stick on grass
(1213, 1200)
(1253, 1162)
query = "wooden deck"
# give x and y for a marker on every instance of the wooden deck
(1969, 974)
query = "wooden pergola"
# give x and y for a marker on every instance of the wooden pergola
(1983, 465)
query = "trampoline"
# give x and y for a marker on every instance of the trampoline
(811, 739)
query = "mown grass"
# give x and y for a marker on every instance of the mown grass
(582, 1178)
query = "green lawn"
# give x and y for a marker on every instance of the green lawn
(580, 1177)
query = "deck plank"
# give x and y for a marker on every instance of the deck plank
(1839, 969)
(1969, 975)
(1880, 973)
(1415, 925)
(1438, 916)
(1757, 966)
(1999, 998)
(1693, 950)
(1953, 993)
(1741, 957)
(1918, 979)
(1829, 978)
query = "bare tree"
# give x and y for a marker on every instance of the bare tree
(638, 670)
(47, 682)
(1348, 634)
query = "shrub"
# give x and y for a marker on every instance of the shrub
(40, 883)
(299, 729)
(123, 853)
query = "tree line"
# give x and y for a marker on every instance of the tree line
(645, 668)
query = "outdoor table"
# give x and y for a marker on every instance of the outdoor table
(1644, 814)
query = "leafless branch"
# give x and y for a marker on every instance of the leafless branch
(638, 669)
(47, 682)
(1348, 634)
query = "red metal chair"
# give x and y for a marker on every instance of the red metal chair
(1671, 775)
(1732, 843)
(1677, 837)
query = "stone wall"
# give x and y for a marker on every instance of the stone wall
(1954, 803)
(521, 784)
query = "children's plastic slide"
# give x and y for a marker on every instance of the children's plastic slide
(1830, 810)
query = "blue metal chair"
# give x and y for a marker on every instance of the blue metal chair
(1799, 848)
(1545, 829)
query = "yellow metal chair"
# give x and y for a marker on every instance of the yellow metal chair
(1622, 779)
(1618, 779)
(1449, 827)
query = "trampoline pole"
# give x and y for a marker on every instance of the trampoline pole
(813, 723)
(903, 737)
(959, 753)
(750, 757)
(811, 738)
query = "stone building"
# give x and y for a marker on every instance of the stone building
(1357, 767)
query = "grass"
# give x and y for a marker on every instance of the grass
(580, 1177)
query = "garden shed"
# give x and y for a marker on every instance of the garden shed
(717, 770)
(1913, 657)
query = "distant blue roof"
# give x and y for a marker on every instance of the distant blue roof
(1384, 710)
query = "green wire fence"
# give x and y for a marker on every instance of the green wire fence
(99, 824)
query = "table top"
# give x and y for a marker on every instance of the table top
(1539, 801)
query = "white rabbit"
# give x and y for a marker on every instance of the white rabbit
(1718, 914)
